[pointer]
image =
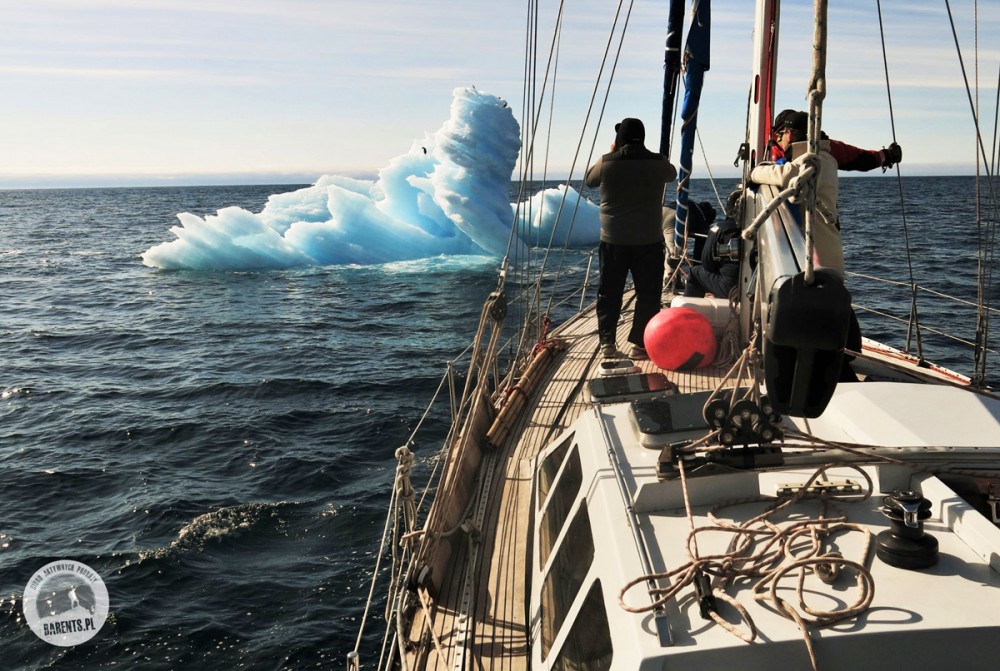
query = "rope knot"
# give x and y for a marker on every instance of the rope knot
(404, 489)
(803, 185)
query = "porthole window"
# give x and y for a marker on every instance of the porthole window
(566, 575)
(550, 467)
(560, 503)
(588, 644)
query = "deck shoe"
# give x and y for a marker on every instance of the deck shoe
(638, 353)
(610, 351)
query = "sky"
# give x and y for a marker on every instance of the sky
(151, 92)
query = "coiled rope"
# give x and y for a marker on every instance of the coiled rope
(760, 548)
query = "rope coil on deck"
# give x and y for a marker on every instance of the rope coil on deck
(762, 549)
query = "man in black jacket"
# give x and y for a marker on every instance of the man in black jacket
(720, 266)
(632, 180)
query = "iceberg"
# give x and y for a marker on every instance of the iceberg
(448, 195)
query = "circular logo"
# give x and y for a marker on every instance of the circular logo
(65, 603)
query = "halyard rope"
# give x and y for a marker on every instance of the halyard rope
(777, 556)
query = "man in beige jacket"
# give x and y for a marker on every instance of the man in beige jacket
(791, 137)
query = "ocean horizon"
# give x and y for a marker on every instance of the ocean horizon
(305, 177)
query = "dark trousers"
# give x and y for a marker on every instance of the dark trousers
(645, 262)
(701, 281)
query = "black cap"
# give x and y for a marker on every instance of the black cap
(629, 131)
(704, 211)
(791, 119)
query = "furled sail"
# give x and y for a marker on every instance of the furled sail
(696, 63)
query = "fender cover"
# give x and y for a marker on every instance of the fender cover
(804, 341)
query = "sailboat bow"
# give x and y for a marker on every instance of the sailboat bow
(809, 499)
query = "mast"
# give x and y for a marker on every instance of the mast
(765, 67)
(671, 71)
(760, 115)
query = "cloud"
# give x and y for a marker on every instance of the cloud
(138, 74)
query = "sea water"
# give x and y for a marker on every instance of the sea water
(218, 445)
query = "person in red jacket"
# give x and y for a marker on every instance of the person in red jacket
(848, 156)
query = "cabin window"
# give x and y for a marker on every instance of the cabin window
(565, 577)
(550, 467)
(588, 644)
(560, 503)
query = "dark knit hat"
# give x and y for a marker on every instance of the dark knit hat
(704, 212)
(791, 119)
(629, 131)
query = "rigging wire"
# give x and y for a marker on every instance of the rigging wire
(593, 144)
(528, 158)
(711, 177)
(576, 155)
(530, 137)
(983, 325)
(913, 329)
(985, 289)
(530, 80)
(993, 215)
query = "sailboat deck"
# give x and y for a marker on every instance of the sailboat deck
(497, 637)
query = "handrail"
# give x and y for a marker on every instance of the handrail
(662, 623)
(921, 288)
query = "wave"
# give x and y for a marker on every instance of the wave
(222, 525)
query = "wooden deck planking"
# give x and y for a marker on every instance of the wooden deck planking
(499, 637)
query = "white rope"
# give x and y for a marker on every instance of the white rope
(406, 507)
(403, 513)
(375, 571)
(793, 190)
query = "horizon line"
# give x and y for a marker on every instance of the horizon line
(180, 180)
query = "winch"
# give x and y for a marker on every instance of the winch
(906, 545)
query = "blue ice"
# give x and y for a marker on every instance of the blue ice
(448, 195)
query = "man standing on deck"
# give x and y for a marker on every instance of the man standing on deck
(632, 180)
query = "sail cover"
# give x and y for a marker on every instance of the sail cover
(696, 59)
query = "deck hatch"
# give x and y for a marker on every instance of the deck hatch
(619, 388)
(656, 420)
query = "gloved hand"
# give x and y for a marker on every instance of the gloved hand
(893, 154)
